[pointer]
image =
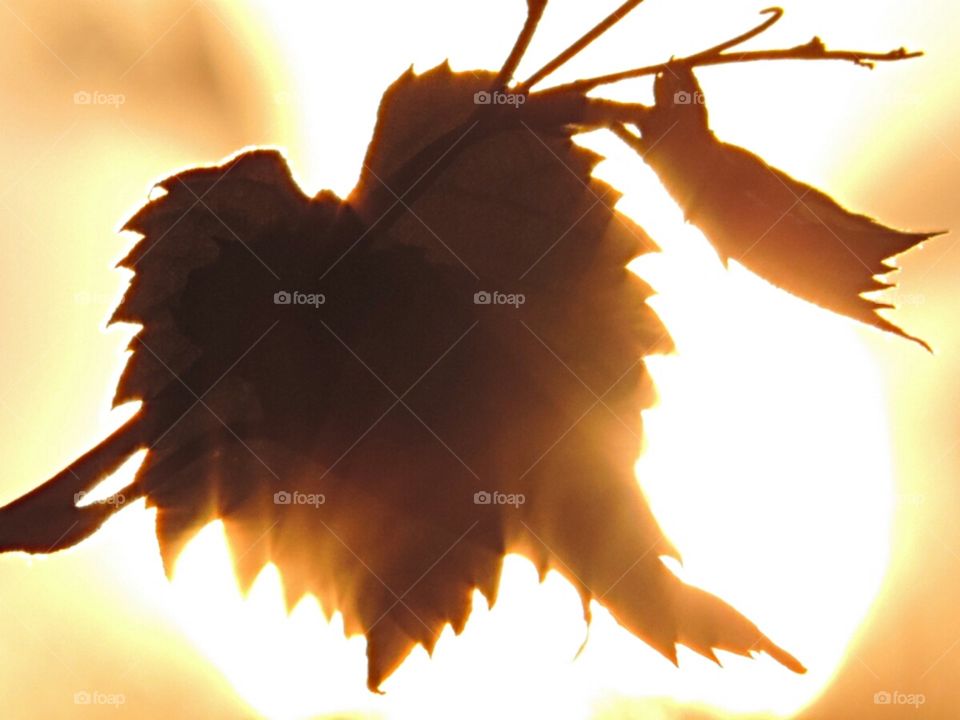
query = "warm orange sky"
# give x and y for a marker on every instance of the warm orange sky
(200, 80)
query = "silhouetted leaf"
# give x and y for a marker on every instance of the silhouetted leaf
(787, 232)
(399, 398)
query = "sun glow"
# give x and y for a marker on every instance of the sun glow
(779, 498)
(767, 459)
(766, 464)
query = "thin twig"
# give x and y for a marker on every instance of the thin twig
(813, 50)
(535, 10)
(588, 37)
(775, 12)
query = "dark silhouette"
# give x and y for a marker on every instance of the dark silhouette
(383, 395)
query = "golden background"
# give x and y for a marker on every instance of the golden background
(200, 80)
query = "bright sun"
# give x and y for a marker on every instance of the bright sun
(763, 467)
(766, 464)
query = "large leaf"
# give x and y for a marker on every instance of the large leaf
(387, 447)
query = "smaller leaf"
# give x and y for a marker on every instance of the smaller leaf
(785, 231)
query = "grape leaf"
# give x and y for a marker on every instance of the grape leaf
(386, 447)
